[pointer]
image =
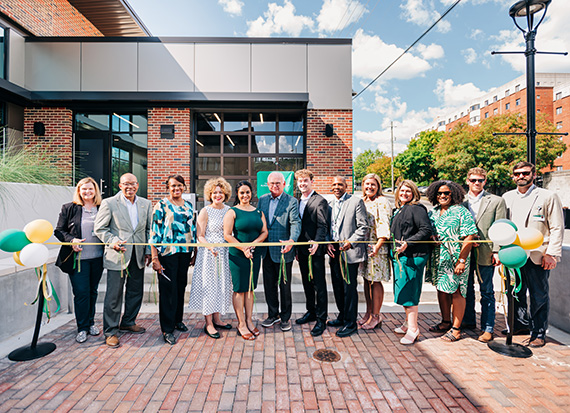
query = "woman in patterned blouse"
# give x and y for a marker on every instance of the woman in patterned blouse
(377, 268)
(448, 267)
(172, 223)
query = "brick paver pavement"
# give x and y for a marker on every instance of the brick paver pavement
(276, 372)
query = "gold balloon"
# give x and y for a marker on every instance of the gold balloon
(529, 238)
(16, 256)
(39, 231)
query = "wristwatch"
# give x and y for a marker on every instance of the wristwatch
(462, 260)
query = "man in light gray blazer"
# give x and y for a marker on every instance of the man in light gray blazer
(531, 207)
(486, 209)
(124, 218)
(349, 224)
(281, 211)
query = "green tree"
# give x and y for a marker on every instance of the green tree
(417, 161)
(382, 168)
(363, 161)
(468, 146)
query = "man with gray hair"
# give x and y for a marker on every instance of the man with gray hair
(284, 224)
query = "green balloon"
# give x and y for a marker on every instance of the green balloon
(512, 256)
(13, 240)
(507, 221)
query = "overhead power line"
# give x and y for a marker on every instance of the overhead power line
(409, 47)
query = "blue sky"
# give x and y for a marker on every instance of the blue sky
(451, 65)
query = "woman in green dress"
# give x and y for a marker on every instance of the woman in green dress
(244, 223)
(448, 268)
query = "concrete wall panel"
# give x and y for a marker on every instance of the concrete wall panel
(166, 67)
(278, 68)
(53, 66)
(110, 67)
(17, 59)
(223, 67)
(330, 74)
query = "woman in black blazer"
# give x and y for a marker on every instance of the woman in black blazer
(84, 264)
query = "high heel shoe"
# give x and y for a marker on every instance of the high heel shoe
(410, 337)
(375, 322)
(363, 320)
(403, 329)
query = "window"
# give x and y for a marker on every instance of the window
(538, 111)
(558, 96)
(517, 102)
(475, 107)
(486, 115)
(449, 120)
(538, 96)
(507, 106)
(559, 110)
(455, 117)
(559, 168)
(494, 98)
(495, 111)
(517, 88)
(3, 52)
(486, 103)
(507, 92)
(558, 125)
(461, 114)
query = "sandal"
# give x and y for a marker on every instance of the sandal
(374, 322)
(248, 336)
(363, 320)
(441, 327)
(450, 337)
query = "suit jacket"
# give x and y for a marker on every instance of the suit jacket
(285, 224)
(113, 224)
(315, 224)
(353, 226)
(68, 227)
(491, 209)
(545, 215)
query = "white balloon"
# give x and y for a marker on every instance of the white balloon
(502, 233)
(34, 255)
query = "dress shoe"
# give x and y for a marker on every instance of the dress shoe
(223, 326)
(135, 329)
(347, 330)
(335, 323)
(94, 331)
(410, 337)
(318, 329)
(537, 342)
(485, 337)
(216, 335)
(81, 337)
(519, 332)
(181, 327)
(169, 338)
(306, 318)
(285, 325)
(269, 321)
(112, 341)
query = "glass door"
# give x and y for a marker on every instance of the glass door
(91, 155)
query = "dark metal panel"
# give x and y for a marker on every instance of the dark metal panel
(217, 40)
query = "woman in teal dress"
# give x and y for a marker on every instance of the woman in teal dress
(448, 268)
(243, 223)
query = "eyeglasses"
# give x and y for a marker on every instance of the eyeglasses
(473, 180)
(274, 183)
(129, 183)
(444, 193)
(522, 173)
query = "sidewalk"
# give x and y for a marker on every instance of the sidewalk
(278, 372)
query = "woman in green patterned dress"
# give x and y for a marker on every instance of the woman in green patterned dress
(448, 268)
(377, 268)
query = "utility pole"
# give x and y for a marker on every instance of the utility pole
(392, 147)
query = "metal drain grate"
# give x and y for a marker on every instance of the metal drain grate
(330, 356)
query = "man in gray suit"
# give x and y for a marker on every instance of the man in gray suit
(531, 207)
(349, 224)
(486, 209)
(284, 224)
(124, 218)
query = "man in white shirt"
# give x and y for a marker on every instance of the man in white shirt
(531, 207)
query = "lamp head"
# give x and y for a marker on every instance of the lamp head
(527, 7)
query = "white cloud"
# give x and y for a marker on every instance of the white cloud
(392, 108)
(432, 51)
(335, 15)
(381, 139)
(452, 95)
(552, 35)
(232, 7)
(470, 55)
(476, 34)
(279, 20)
(370, 55)
(423, 13)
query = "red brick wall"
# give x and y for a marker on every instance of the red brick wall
(167, 156)
(329, 157)
(58, 137)
(48, 17)
(564, 117)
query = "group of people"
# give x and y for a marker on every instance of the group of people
(362, 236)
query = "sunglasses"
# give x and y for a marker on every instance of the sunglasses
(473, 180)
(444, 193)
(522, 173)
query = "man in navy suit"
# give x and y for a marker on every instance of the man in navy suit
(315, 222)
(284, 224)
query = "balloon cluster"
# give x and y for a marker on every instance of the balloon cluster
(28, 246)
(516, 244)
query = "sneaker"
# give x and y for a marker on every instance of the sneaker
(81, 337)
(269, 321)
(285, 325)
(94, 331)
